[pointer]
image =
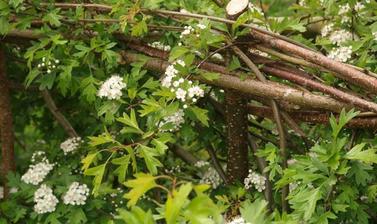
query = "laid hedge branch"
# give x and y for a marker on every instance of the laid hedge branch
(6, 126)
(341, 70)
(269, 89)
(316, 117)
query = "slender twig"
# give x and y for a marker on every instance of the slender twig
(216, 163)
(60, 118)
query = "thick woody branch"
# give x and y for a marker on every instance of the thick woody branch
(6, 125)
(336, 93)
(184, 154)
(60, 118)
(317, 117)
(341, 70)
(272, 90)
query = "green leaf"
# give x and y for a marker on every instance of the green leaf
(344, 117)
(177, 52)
(53, 18)
(87, 161)
(139, 28)
(234, 64)
(139, 186)
(123, 163)
(175, 202)
(136, 216)
(202, 210)
(98, 173)
(210, 75)
(201, 114)
(77, 216)
(130, 121)
(366, 156)
(149, 155)
(255, 212)
(100, 140)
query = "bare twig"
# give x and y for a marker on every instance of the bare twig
(60, 118)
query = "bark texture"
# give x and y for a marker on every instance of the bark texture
(236, 119)
(6, 124)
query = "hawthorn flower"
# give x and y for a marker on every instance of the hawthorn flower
(45, 200)
(201, 163)
(327, 29)
(255, 179)
(48, 65)
(359, 6)
(344, 9)
(177, 119)
(37, 173)
(70, 145)
(112, 88)
(341, 54)
(76, 194)
(238, 220)
(195, 91)
(187, 31)
(201, 26)
(340, 36)
(211, 177)
(159, 46)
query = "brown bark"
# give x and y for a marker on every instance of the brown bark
(6, 124)
(343, 71)
(269, 89)
(336, 93)
(236, 119)
(316, 117)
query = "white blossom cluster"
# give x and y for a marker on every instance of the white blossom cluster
(112, 88)
(359, 6)
(38, 155)
(45, 200)
(256, 180)
(201, 163)
(70, 145)
(344, 9)
(211, 177)
(160, 46)
(238, 220)
(184, 90)
(177, 119)
(174, 170)
(187, 31)
(327, 29)
(340, 36)
(76, 194)
(48, 65)
(37, 172)
(342, 54)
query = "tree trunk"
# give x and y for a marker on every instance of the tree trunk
(6, 125)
